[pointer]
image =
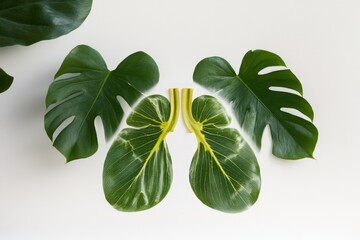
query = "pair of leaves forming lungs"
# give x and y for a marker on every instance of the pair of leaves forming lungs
(224, 173)
(257, 105)
(26, 22)
(84, 88)
(5, 81)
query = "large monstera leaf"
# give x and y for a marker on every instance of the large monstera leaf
(5, 81)
(224, 172)
(26, 22)
(138, 169)
(84, 88)
(257, 105)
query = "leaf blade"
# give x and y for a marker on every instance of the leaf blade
(224, 173)
(256, 105)
(93, 92)
(138, 170)
(24, 23)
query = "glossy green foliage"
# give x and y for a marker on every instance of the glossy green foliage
(257, 105)
(26, 22)
(5, 81)
(224, 172)
(138, 170)
(84, 88)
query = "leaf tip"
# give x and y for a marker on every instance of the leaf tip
(5, 81)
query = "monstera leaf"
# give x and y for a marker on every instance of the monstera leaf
(84, 88)
(138, 169)
(224, 172)
(5, 81)
(26, 22)
(257, 105)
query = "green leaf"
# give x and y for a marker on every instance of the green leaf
(84, 88)
(138, 170)
(257, 105)
(224, 172)
(26, 22)
(5, 81)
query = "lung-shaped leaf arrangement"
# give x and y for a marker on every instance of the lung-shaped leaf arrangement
(138, 169)
(84, 88)
(26, 22)
(5, 81)
(257, 105)
(224, 172)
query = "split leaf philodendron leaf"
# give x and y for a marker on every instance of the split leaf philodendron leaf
(5, 81)
(224, 172)
(84, 88)
(138, 169)
(257, 105)
(26, 22)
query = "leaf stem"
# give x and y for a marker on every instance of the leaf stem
(174, 108)
(187, 95)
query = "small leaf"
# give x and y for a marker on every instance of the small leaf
(256, 105)
(138, 169)
(26, 22)
(84, 88)
(5, 81)
(224, 172)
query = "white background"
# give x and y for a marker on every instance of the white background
(41, 197)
